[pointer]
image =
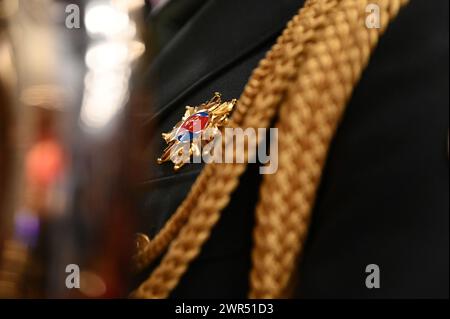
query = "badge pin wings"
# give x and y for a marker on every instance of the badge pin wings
(188, 136)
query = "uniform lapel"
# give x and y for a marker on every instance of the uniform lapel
(210, 42)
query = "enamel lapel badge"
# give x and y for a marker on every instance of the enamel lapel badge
(188, 136)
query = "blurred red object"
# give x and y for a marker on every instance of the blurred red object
(44, 163)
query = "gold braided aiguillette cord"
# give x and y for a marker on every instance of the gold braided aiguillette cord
(308, 76)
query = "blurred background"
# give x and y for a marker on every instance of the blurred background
(70, 148)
